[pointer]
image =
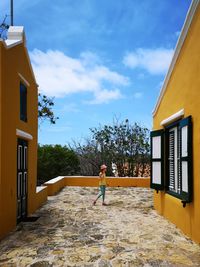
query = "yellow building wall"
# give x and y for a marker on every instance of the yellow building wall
(183, 91)
(0, 145)
(13, 61)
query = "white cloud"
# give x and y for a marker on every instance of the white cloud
(104, 96)
(138, 95)
(154, 61)
(60, 75)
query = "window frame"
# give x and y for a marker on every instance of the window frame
(184, 196)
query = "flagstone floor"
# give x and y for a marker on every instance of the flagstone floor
(72, 232)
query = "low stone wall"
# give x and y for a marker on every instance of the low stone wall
(56, 184)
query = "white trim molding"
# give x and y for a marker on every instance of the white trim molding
(24, 80)
(173, 117)
(23, 134)
(180, 42)
(15, 36)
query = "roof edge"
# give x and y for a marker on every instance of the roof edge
(179, 44)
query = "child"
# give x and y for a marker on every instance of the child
(102, 185)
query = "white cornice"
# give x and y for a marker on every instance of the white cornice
(15, 36)
(185, 28)
(24, 135)
(173, 117)
(12, 43)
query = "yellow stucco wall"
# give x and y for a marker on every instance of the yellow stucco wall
(93, 181)
(0, 144)
(183, 91)
(13, 61)
(56, 184)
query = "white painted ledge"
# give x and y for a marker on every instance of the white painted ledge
(54, 180)
(40, 188)
(173, 117)
(23, 79)
(23, 134)
(11, 43)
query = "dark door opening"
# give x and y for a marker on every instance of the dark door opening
(22, 179)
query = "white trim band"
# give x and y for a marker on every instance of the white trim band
(24, 134)
(23, 79)
(173, 117)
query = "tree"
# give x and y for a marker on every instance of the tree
(45, 105)
(54, 161)
(122, 146)
(89, 156)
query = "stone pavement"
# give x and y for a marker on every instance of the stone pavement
(72, 232)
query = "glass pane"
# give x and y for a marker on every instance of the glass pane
(185, 176)
(184, 141)
(156, 149)
(156, 172)
(23, 102)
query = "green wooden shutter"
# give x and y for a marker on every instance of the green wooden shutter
(157, 160)
(186, 159)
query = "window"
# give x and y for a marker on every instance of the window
(172, 147)
(173, 157)
(157, 159)
(23, 102)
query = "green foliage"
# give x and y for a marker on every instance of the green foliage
(45, 111)
(56, 161)
(121, 145)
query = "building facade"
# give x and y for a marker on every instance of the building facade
(18, 133)
(175, 139)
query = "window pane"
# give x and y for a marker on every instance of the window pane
(156, 179)
(184, 141)
(156, 147)
(185, 176)
(23, 102)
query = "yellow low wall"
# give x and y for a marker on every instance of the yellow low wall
(56, 184)
(41, 196)
(112, 181)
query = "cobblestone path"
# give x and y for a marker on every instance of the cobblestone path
(72, 232)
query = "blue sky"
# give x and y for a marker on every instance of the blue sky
(100, 59)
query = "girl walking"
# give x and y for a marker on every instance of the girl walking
(102, 185)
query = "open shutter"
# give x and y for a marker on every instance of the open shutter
(157, 160)
(171, 159)
(186, 159)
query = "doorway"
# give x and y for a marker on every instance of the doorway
(22, 179)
